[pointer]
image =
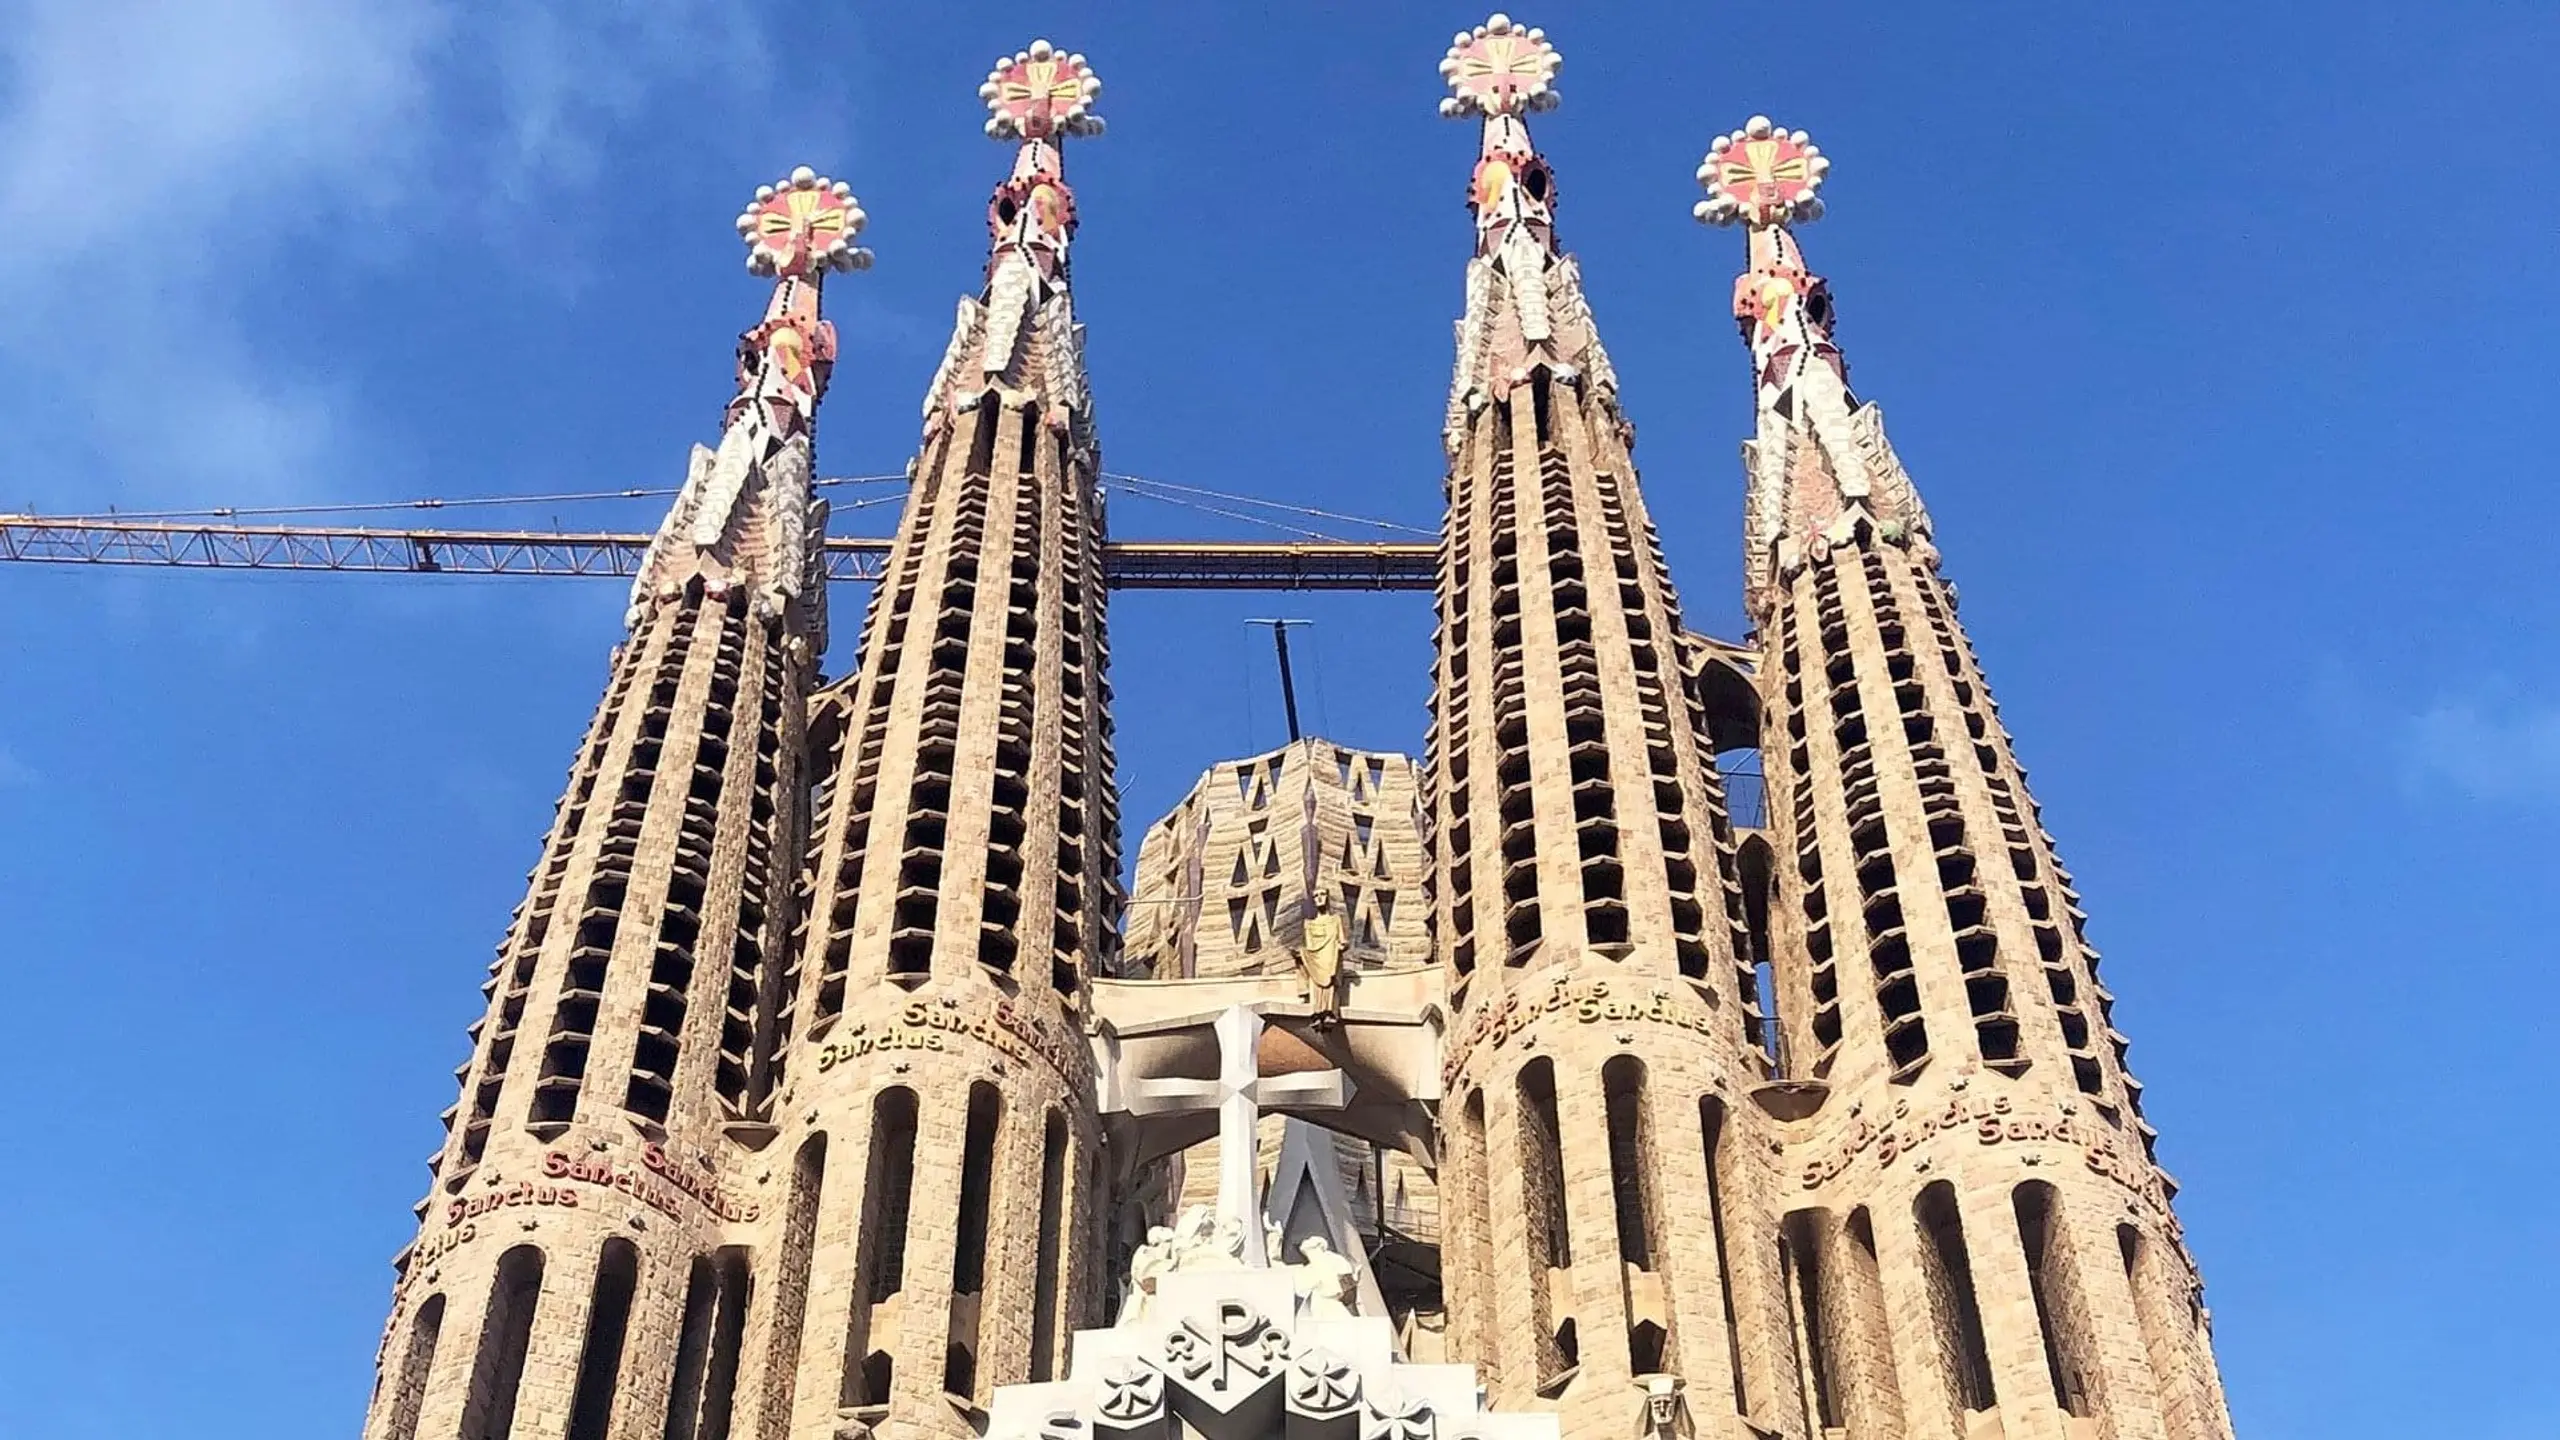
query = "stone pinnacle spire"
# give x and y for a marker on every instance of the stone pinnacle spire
(1820, 466)
(1525, 309)
(622, 1075)
(1604, 1192)
(746, 519)
(1933, 969)
(962, 877)
(1019, 337)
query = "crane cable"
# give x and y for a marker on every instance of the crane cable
(1308, 510)
(241, 512)
(1193, 497)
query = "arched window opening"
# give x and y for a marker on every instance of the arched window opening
(1711, 1134)
(1949, 1269)
(1470, 1211)
(1550, 1239)
(693, 1351)
(791, 1282)
(2166, 1309)
(1630, 1177)
(608, 1321)
(2055, 1286)
(1800, 1247)
(489, 1413)
(1044, 1279)
(728, 1334)
(881, 1255)
(409, 1386)
(1542, 1166)
(977, 1185)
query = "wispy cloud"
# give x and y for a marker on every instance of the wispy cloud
(2501, 750)
(160, 159)
(14, 772)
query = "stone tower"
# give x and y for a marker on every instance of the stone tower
(940, 1231)
(578, 1255)
(1978, 1237)
(1604, 1178)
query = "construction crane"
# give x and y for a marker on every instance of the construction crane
(1128, 564)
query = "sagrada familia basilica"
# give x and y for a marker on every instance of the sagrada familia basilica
(830, 1087)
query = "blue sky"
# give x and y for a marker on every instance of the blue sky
(2218, 337)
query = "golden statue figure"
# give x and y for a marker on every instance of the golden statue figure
(1320, 959)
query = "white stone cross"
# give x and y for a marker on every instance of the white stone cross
(1238, 1095)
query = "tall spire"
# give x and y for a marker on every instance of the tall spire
(1930, 955)
(963, 871)
(625, 1061)
(1525, 309)
(1584, 862)
(1820, 467)
(745, 518)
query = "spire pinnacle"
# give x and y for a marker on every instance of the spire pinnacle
(802, 225)
(745, 518)
(1761, 176)
(1500, 68)
(1039, 93)
(1019, 335)
(1821, 473)
(1502, 71)
(1525, 308)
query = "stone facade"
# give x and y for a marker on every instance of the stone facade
(1225, 884)
(825, 1093)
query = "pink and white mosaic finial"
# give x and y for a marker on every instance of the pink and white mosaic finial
(1761, 176)
(1040, 93)
(803, 225)
(1500, 68)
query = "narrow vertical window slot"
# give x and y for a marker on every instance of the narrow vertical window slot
(1959, 1312)
(1045, 1265)
(608, 1322)
(880, 1264)
(497, 1369)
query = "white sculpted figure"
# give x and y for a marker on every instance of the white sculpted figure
(1153, 1260)
(1204, 1241)
(1328, 1280)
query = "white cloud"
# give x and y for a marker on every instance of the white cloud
(568, 74)
(145, 150)
(158, 157)
(2487, 750)
(14, 773)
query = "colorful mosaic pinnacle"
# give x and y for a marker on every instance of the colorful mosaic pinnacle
(1036, 93)
(1499, 68)
(801, 225)
(1761, 175)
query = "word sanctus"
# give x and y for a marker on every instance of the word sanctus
(665, 1193)
(1590, 1003)
(1992, 1120)
(924, 1025)
(523, 1192)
